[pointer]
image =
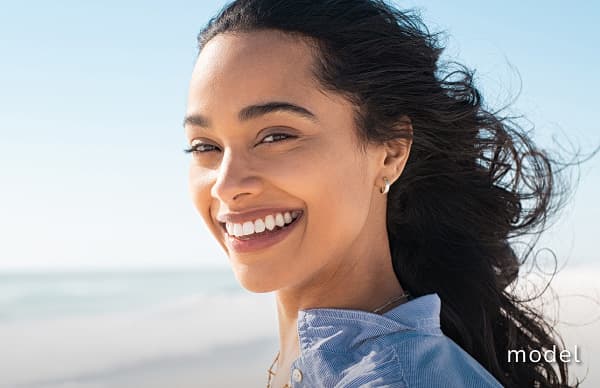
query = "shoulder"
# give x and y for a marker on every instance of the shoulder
(405, 347)
(429, 360)
(404, 359)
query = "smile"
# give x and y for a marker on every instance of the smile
(261, 225)
(261, 232)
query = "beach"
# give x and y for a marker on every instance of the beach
(213, 336)
(216, 336)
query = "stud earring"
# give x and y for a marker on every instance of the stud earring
(386, 188)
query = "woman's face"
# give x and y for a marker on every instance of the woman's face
(272, 149)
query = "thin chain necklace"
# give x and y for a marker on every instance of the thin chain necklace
(271, 374)
(378, 310)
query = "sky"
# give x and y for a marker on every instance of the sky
(92, 96)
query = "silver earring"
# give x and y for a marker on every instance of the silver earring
(386, 188)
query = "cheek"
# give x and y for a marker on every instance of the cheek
(337, 194)
(343, 201)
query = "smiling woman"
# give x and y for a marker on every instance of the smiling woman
(337, 167)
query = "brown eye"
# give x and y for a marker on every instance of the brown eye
(199, 147)
(276, 137)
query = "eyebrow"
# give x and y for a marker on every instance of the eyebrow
(254, 111)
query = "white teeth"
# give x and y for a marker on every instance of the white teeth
(237, 230)
(279, 220)
(270, 222)
(259, 226)
(247, 228)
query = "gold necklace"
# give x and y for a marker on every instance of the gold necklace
(271, 373)
(391, 303)
(378, 310)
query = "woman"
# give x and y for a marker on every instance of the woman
(338, 167)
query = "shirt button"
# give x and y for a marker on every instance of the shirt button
(297, 375)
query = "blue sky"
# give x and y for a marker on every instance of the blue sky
(92, 97)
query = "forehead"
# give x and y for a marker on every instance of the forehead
(241, 68)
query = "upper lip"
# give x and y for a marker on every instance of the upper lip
(251, 215)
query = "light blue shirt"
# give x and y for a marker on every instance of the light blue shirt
(404, 347)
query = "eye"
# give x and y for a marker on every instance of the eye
(198, 146)
(276, 137)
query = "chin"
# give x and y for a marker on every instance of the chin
(253, 280)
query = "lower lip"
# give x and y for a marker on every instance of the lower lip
(263, 240)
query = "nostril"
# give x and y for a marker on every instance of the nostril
(237, 195)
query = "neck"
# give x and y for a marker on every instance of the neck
(373, 284)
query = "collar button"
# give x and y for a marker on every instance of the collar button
(297, 375)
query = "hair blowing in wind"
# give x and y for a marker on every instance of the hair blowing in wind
(473, 183)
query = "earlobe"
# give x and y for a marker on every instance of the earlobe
(394, 156)
(386, 187)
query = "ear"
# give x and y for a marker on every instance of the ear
(397, 152)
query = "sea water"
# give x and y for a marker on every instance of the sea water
(126, 328)
(26, 296)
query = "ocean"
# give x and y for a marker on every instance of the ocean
(26, 296)
(168, 328)
(186, 328)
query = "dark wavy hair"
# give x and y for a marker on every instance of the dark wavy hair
(473, 182)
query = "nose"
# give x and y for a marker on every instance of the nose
(236, 179)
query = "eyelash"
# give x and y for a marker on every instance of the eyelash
(199, 147)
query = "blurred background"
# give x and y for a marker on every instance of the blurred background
(108, 277)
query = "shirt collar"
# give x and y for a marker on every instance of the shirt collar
(338, 329)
